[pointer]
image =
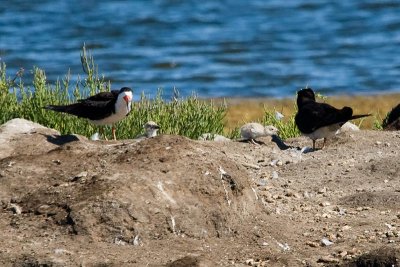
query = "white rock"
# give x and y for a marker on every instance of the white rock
(349, 127)
(326, 242)
(15, 208)
(213, 137)
(13, 129)
(95, 137)
(275, 175)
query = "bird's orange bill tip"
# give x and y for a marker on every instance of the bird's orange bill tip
(127, 98)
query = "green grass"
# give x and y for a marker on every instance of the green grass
(286, 126)
(189, 117)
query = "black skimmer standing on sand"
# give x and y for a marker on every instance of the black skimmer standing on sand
(320, 120)
(105, 108)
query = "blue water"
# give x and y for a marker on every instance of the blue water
(229, 48)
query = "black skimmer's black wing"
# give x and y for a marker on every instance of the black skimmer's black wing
(96, 107)
(312, 115)
(102, 96)
(89, 109)
(320, 120)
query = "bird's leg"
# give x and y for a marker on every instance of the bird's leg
(101, 132)
(313, 144)
(254, 142)
(323, 145)
(113, 132)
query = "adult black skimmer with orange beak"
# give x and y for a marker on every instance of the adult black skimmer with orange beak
(320, 120)
(105, 108)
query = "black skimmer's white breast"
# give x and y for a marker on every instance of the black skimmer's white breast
(320, 120)
(105, 108)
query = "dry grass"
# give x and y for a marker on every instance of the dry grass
(246, 110)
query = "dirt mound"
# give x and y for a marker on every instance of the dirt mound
(383, 257)
(172, 201)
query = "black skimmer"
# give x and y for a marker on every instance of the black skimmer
(320, 120)
(105, 108)
(150, 129)
(392, 120)
(253, 130)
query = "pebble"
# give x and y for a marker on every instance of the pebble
(275, 175)
(327, 259)
(312, 244)
(291, 193)
(324, 204)
(362, 208)
(322, 190)
(15, 208)
(326, 242)
(346, 227)
(249, 165)
(262, 182)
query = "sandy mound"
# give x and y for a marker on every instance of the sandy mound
(172, 201)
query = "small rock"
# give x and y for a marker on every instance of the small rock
(322, 190)
(285, 246)
(326, 242)
(262, 182)
(378, 143)
(324, 204)
(249, 262)
(249, 165)
(306, 150)
(349, 127)
(291, 193)
(275, 175)
(95, 137)
(326, 259)
(15, 208)
(346, 227)
(137, 241)
(312, 244)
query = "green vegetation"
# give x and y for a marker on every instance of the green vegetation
(286, 126)
(188, 117)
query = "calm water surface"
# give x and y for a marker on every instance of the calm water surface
(230, 48)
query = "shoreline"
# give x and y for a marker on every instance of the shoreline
(242, 110)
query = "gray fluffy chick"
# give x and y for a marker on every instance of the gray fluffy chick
(253, 130)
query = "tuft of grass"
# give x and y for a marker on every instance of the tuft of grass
(189, 117)
(286, 126)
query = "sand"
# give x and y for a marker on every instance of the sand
(172, 201)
